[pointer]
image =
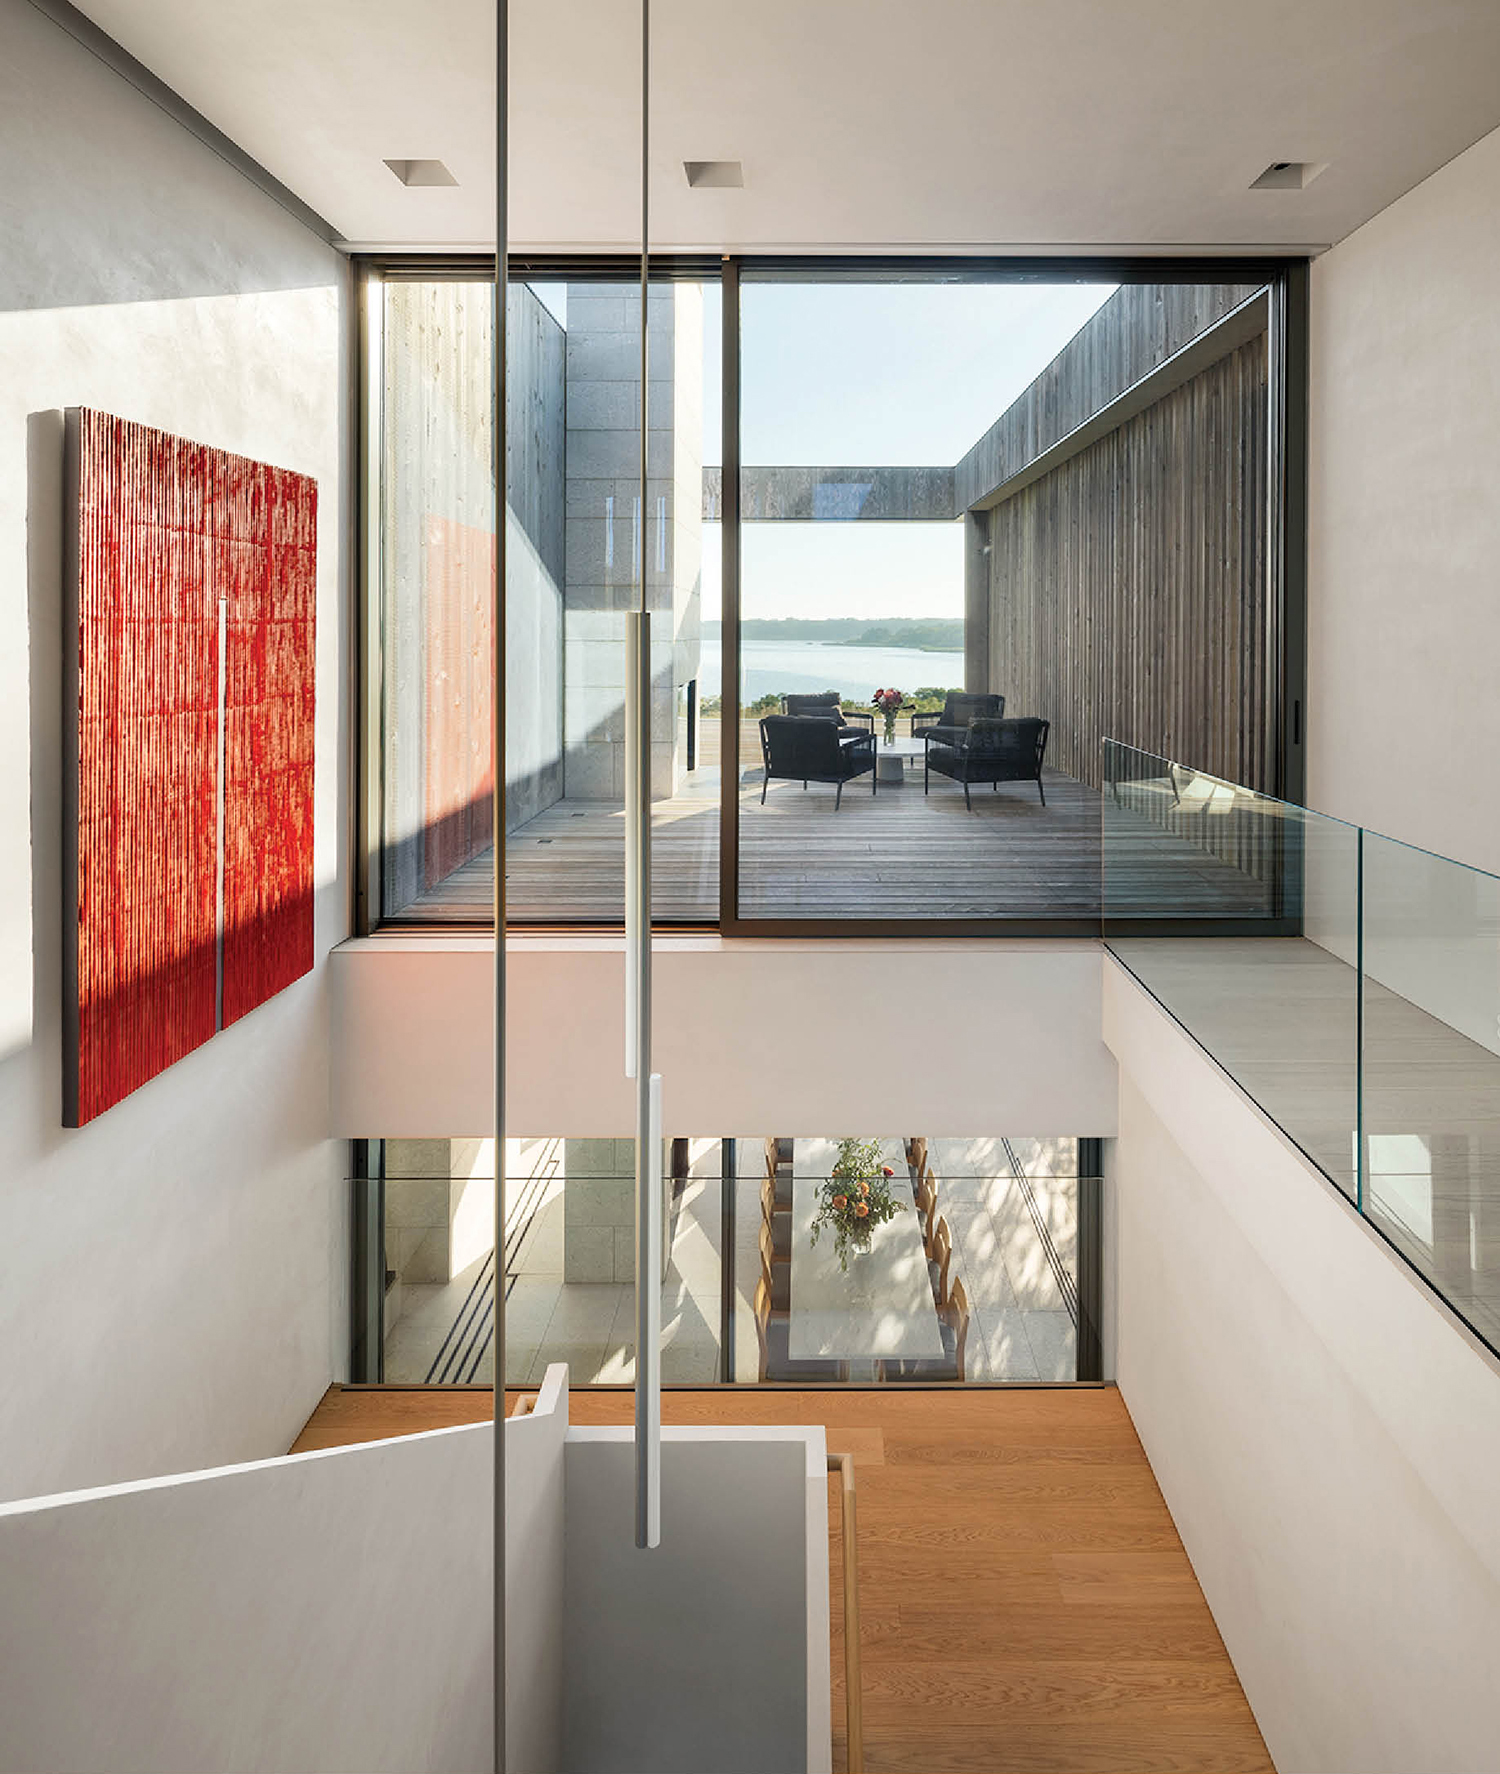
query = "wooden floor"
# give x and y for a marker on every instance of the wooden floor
(1027, 1604)
(898, 853)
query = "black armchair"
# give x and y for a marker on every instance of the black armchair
(795, 749)
(827, 705)
(959, 708)
(990, 751)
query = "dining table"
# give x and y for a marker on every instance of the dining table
(882, 1306)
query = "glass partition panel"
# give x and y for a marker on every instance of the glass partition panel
(436, 568)
(569, 1283)
(1431, 1070)
(982, 1263)
(578, 542)
(961, 534)
(858, 399)
(907, 1260)
(1253, 909)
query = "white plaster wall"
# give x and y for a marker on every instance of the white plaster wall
(795, 1035)
(307, 1615)
(1326, 1437)
(535, 1578)
(173, 1272)
(1403, 722)
(711, 1651)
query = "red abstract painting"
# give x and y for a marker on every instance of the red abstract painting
(188, 732)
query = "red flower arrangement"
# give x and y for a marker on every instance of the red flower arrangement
(889, 702)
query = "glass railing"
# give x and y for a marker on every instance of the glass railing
(1347, 982)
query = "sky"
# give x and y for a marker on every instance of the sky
(871, 375)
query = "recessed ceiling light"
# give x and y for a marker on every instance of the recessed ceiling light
(1289, 175)
(723, 174)
(421, 172)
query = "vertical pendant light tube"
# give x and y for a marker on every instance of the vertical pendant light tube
(499, 473)
(648, 1181)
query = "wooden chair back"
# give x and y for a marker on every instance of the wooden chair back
(942, 1255)
(958, 1317)
(762, 1307)
(926, 1200)
(768, 1256)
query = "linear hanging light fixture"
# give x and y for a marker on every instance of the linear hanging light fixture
(648, 1171)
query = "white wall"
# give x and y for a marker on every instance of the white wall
(711, 1651)
(535, 1578)
(1325, 1436)
(1403, 723)
(317, 1614)
(796, 1035)
(310, 1615)
(173, 1272)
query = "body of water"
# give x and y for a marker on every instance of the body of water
(771, 668)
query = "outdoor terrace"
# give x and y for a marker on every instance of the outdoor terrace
(895, 854)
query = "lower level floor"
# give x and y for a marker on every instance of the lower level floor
(1026, 1604)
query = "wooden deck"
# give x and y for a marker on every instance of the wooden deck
(894, 854)
(1027, 1604)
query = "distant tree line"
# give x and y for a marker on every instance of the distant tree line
(931, 633)
(927, 700)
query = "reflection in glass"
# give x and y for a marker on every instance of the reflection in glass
(1264, 899)
(578, 542)
(1431, 1069)
(569, 1260)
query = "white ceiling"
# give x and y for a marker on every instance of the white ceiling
(860, 123)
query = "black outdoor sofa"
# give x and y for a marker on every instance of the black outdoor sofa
(796, 749)
(992, 751)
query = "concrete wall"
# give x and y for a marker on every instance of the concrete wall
(742, 1037)
(1403, 723)
(536, 443)
(174, 1272)
(713, 1650)
(1326, 1437)
(599, 1211)
(603, 522)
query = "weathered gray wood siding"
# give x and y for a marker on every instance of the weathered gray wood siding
(1136, 331)
(1128, 587)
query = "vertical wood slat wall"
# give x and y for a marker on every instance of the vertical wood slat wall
(1128, 587)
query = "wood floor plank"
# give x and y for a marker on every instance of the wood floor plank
(896, 854)
(1026, 1604)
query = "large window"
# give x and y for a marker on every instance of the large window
(979, 1263)
(949, 531)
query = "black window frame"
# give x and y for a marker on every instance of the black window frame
(1287, 280)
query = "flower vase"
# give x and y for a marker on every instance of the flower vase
(890, 729)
